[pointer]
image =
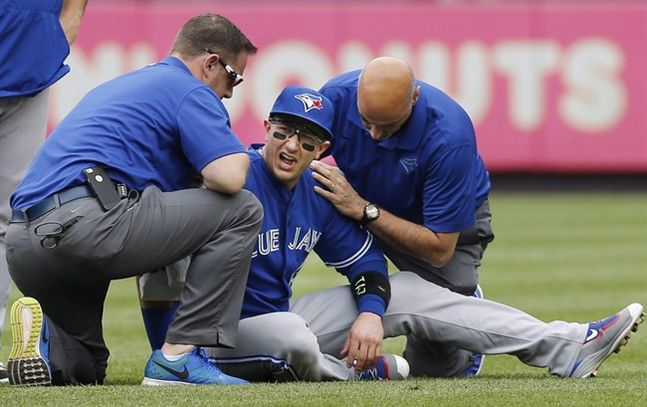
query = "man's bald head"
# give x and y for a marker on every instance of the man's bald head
(386, 93)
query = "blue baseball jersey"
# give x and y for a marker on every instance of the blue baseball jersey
(429, 172)
(296, 222)
(33, 46)
(158, 126)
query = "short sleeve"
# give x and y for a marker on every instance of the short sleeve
(449, 191)
(204, 128)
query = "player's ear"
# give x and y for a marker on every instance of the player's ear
(320, 150)
(266, 124)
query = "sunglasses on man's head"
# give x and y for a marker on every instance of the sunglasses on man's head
(286, 129)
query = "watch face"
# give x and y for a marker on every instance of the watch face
(372, 212)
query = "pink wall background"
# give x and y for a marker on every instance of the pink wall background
(551, 86)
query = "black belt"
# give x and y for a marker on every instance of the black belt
(50, 203)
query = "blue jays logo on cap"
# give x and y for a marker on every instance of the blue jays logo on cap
(307, 105)
(310, 101)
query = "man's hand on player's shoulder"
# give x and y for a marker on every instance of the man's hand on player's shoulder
(338, 190)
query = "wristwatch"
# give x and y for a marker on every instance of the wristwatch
(371, 212)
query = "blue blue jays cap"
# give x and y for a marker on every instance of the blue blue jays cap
(307, 105)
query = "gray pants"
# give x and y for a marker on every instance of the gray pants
(274, 347)
(139, 235)
(278, 347)
(303, 344)
(437, 315)
(23, 123)
(460, 275)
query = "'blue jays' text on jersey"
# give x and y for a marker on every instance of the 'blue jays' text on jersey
(296, 222)
(429, 172)
(158, 126)
(33, 46)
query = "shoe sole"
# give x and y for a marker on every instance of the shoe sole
(478, 293)
(4, 375)
(638, 316)
(399, 368)
(26, 366)
(157, 382)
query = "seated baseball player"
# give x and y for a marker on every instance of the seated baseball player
(281, 341)
(297, 222)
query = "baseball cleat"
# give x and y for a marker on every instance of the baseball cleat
(478, 359)
(4, 375)
(386, 367)
(191, 369)
(475, 367)
(478, 293)
(605, 337)
(28, 363)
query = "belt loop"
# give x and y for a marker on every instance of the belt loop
(57, 200)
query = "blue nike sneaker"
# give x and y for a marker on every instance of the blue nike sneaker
(386, 367)
(192, 368)
(477, 358)
(28, 363)
(605, 337)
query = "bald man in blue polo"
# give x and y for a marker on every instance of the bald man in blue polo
(414, 178)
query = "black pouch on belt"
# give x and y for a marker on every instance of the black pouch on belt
(102, 186)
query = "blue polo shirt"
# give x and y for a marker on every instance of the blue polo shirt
(429, 172)
(158, 126)
(33, 46)
(296, 222)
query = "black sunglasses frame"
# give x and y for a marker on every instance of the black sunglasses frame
(299, 130)
(234, 76)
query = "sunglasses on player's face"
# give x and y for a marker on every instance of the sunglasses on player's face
(285, 129)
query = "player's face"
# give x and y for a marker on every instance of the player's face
(224, 76)
(289, 150)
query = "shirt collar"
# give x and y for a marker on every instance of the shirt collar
(174, 61)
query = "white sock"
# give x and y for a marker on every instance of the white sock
(173, 358)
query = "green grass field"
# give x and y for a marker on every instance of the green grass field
(574, 257)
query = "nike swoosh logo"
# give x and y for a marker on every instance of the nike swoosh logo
(183, 375)
(591, 336)
(76, 209)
